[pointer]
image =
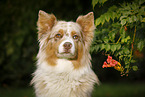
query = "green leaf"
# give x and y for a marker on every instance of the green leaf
(133, 61)
(124, 40)
(98, 21)
(105, 39)
(113, 15)
(135, 68)
(97, 48)
(120, 53)
(107, 47)
(102, 46)
(118, 46)
(143, 20)
(126, 51)
(122, 32)
(123, 22)
(103, 1)
(92, 49)
(102, 19)
(94, 2)
(113, 48)
(99, 41)
(127, 38)
(140, 45)
(112, 36)
(127, 66)
(107, 17)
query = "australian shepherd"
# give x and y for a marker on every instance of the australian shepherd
(63, 66)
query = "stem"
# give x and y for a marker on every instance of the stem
(118, 40)
(133, 43)
(134, 34)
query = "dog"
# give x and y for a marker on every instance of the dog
(63, 65)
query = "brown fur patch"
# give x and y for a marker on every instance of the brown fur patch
(77, 63)
(73, 33)
(61, 31)
(50, 54)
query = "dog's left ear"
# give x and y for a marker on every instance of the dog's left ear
(87, 24)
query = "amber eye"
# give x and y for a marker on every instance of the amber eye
(58, 36)
(75, 37)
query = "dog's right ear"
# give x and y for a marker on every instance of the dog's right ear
(45, 22)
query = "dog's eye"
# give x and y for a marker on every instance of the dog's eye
(75, 37)
(58, 36)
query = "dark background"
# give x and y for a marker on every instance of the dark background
(19, 46)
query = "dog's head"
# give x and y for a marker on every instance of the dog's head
(65, 40)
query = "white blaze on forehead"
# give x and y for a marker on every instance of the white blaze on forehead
(71, 26)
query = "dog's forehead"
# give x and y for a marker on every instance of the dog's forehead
(68, 27)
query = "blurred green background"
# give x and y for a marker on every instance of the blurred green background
(19, 47)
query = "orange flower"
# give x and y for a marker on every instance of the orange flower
(106, 65)
(110, 62)
(113, 63)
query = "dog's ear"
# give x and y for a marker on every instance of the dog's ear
(45, 22)
(87, 24)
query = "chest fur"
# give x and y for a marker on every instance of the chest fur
(63, 81)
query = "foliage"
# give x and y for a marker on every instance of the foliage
(118, 32)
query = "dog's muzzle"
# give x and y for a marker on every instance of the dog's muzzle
(67, 50)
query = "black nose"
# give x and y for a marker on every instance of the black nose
(67, 45)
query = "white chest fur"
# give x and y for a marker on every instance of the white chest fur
(63, 80)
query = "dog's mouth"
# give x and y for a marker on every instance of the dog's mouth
(67, 55)
(67, 51)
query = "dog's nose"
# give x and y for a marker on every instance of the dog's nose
(67, 45)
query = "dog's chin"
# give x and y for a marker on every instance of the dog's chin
(68, 56)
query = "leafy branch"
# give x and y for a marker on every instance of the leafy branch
(114, 33)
